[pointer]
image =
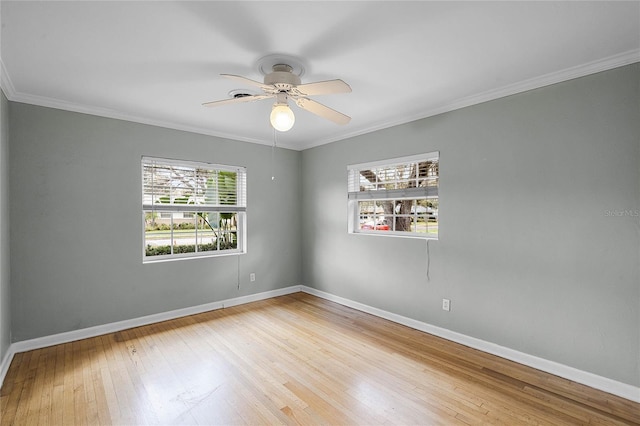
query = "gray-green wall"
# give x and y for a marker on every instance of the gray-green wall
(539, 247)
(76, 220)
(5, 293)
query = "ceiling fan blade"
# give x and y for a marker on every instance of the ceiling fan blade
(237, 100)
(248, 81)
(323, 111)
(323, 88)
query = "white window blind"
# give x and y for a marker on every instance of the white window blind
(395, 197)
(179, 186)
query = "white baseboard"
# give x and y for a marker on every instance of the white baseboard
(614, 387)
(4, 366)
(85, 333)
(604, 384)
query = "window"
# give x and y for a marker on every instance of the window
(192, 209)
(395, 197)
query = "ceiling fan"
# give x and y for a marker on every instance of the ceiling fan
(283, 84)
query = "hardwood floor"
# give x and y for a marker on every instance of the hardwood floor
(289, 360)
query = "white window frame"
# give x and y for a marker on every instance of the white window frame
(355, 194)
(240, 208)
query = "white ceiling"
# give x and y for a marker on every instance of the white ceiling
(156, 62)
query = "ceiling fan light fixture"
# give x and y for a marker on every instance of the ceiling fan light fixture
(282, 118)
(283, 83)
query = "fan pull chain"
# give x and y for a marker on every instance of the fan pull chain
(273, 153)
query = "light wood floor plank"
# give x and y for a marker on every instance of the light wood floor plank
(295, 359)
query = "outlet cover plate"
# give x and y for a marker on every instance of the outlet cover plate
(446, 305)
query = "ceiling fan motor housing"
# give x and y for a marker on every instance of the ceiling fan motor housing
(282, 78)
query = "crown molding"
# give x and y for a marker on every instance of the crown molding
(5, 82)
(615, 61)
(15, 96)
(117, 115)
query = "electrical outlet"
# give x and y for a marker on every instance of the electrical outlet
(252, 277)
(446, 305)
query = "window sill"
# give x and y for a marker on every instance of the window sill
(389, 234)
(159, 259)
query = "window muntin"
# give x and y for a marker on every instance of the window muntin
(395, 197)
(192, 209)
